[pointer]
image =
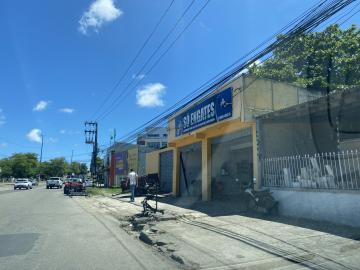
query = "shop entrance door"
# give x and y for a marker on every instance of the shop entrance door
(190, 170)
(166, 171)
(231, 164)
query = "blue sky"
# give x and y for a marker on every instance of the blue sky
(59, 59)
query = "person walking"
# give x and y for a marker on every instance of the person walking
(133, 180)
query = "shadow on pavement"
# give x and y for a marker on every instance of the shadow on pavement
(17, 244)
(236, 206)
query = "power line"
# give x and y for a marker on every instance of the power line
(134, 59)
(344, 15)
(349, 17)
(114, 103)
(17, 144)
(308, 22)
(171, 45)
(302, 16)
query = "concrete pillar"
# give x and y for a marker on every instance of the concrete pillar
(206, 169)
(176, 171)
(256, 174)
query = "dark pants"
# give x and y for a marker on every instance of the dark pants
(132, 190)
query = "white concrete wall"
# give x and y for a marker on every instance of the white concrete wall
(337, 207)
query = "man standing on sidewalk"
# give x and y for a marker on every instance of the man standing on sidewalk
(133, 177)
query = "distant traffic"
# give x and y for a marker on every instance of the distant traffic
(69, 183)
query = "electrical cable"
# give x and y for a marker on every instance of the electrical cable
(344, 15)
(134, 59)
(162, 55)
(303, 15)
(349, 17)
(16, 144)
(115, 102)
(314, 21)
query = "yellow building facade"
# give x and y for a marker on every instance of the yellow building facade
(214, 140)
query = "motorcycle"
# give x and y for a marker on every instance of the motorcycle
(261, 200)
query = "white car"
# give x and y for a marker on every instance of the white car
(88, 183)
(22, 183)
(54, 182)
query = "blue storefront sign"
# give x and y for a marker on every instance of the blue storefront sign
(214, 109)
(121, 163)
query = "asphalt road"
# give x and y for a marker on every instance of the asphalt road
(43, 229)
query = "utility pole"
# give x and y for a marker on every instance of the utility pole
(42, 145)
(41, 152)
(91, 137)
(112, 137)
(72, 154)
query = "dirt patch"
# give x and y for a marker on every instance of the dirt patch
(145, 229)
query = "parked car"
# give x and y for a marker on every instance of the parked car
(34, 182)
(73, 185)
(54, 182)
(88, 183)
(22, 183)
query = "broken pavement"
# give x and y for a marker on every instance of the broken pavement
(216, 236)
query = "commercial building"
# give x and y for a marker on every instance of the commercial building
(161, 162)
(303, 145)
(310, 157)
(153, 137)
(213, 142)
(120, 158)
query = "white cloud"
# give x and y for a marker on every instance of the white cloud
(34, 135)
(2, 118)
(3, 144)
(246, 70)
(204, 26)
(69, 132)
(138, 77)
(150, 95)
(41, 105)
(53, 140)
(67, 110)
(99, 12)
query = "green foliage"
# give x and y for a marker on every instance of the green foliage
(316, 60)
(19, 165)
(104, 191)
(99, 163)
(23, 165)
(58, 166)
(77, 168)
(6, 168)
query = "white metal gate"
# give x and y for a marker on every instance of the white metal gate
(339, 170)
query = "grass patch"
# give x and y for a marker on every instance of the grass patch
(103, 191)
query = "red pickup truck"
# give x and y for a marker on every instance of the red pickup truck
(73, 185)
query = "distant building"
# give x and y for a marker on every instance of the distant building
(154, 137)
(120, 158)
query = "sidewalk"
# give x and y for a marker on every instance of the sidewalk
(216, 235)
(6, 186)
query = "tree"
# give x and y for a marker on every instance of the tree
(318, 61)
(45, 169)
(77, 168)
(99, 163)
(6, 168)
(24, 165)
(83, 169)
(58, 167)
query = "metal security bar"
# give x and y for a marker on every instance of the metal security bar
(339, 170)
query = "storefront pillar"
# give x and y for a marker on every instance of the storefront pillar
(176, 171)
(256, 175)
(206, 169)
